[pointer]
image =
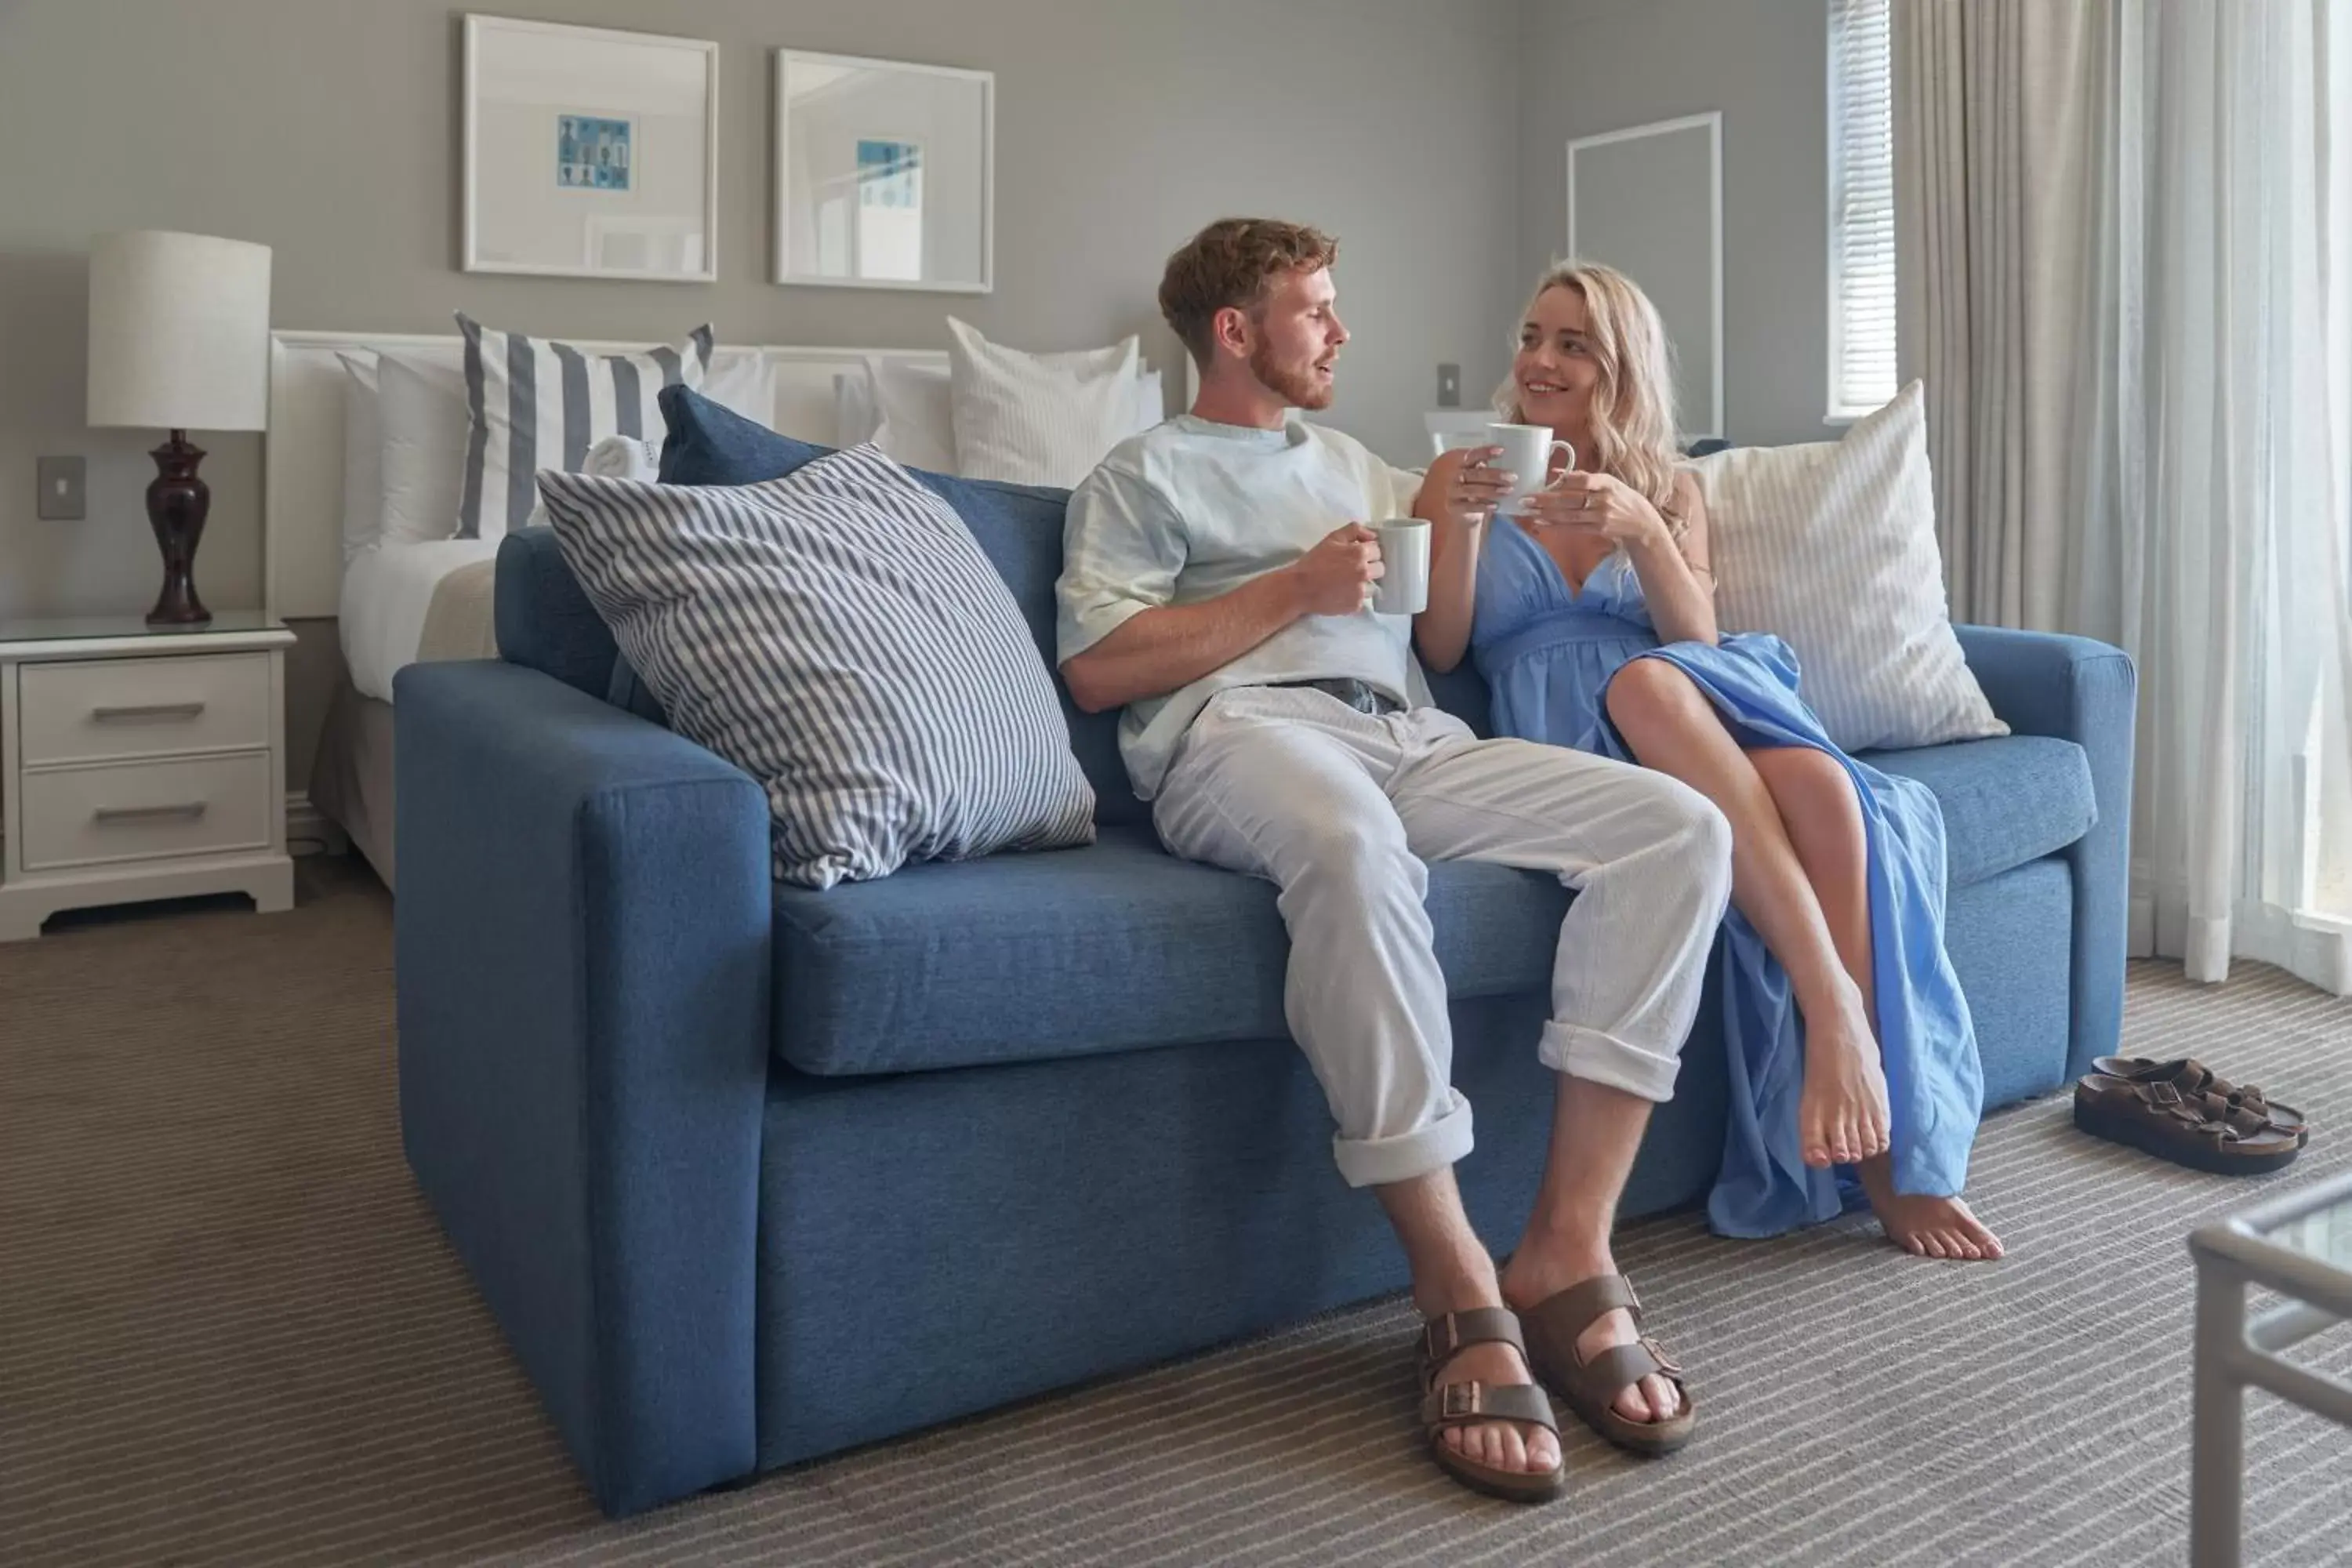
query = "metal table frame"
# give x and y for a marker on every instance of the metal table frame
(2234, 1354)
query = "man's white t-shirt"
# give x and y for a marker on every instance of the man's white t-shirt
(1191, 509)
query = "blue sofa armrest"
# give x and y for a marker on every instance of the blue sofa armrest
(582, 935)
(2041, 683)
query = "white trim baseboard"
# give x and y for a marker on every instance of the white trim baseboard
(310, 831)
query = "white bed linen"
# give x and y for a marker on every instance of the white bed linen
(387, 593)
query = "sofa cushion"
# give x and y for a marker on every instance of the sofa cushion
(1113, 947)
(2005, 801)
(1019, 528)
(1120, 946)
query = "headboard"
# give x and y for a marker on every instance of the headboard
(302, 473)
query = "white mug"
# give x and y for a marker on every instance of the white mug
(1403, 587)
(1526, 452)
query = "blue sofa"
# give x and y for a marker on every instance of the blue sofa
(749, 1174)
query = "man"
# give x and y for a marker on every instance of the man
(1217, 586)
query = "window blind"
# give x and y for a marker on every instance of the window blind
(1862, 208)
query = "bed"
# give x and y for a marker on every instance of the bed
(397, 603)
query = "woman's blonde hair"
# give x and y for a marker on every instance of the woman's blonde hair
(1633, 400)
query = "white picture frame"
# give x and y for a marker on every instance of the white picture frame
(928, 135)
(1649, 238)
(588, 153)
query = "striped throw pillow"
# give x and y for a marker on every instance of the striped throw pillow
(538, 405)
(838, 634)
(1832, 546)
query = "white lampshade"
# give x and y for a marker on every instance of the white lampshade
(179, 333)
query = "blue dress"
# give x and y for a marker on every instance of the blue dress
(1548, 655)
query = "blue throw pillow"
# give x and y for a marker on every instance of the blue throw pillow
(1019, 528)
(710, 443)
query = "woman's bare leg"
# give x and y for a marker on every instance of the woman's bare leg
(1670, 725)
(1816, 800)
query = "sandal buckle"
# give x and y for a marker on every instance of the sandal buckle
(1436, 1349)
(1460, 1399)
(1666, 1363)
(2163, 1094)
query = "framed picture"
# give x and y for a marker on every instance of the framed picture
(589, 153)
(1648, 200)
(885, 174)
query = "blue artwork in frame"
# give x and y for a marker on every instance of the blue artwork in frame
(592, 153)
(890, 174)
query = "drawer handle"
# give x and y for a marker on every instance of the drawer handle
(147, 710)
(121, 816)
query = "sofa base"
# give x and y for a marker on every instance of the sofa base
(937, 1243)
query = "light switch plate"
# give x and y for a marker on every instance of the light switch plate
(62, 483)
(1449, 386)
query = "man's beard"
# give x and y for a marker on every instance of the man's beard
(1297, 384)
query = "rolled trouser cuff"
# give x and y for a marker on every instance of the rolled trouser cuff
(1602, 1058)
(1400, 1157)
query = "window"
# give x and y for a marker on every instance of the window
(1862, 208)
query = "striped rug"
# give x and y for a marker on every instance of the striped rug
(230, 1333)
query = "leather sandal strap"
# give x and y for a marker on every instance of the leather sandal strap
(1572, 1310)
(1448, 1333)
(1477, 1404)
(2185, 1074)
(1620, 1367)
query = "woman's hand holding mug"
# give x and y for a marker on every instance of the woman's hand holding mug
(1470, 486)
(1595, 503)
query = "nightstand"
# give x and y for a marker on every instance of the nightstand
(140, 764)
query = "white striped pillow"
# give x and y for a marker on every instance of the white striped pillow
(1832, 545)
(538, 405)
(838, 634)
(1037, 419)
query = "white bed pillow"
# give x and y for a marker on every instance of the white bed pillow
(852, 408)
(928, 417)
(1037, 419)
(363, 457)
(1151, 401)
(914, 417)
(743, 381)
(1832, 545)
(421, 403)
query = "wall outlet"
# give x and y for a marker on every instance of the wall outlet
(61, 488)
(1449, 386)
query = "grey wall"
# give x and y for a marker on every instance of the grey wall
(326, 129)
(1590, 66)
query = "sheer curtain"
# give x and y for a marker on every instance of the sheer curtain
(2177, 478)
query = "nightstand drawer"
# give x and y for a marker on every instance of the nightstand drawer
(202, 806)
(82, 712)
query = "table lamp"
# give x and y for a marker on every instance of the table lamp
(179, 339)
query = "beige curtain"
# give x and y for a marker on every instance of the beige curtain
(1993, 166)
(2121, 272)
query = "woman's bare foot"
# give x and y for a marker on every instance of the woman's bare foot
(1497, 1444)
(1532, 1278)
(1842, 1115)
(1925, 1227)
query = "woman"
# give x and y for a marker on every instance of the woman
(1592, 615)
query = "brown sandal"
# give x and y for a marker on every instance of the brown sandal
(1483, 1404)
(1590, 1388)
(2204, 1131)
(2193, 1078)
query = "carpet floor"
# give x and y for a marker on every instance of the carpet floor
(230, 1333)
